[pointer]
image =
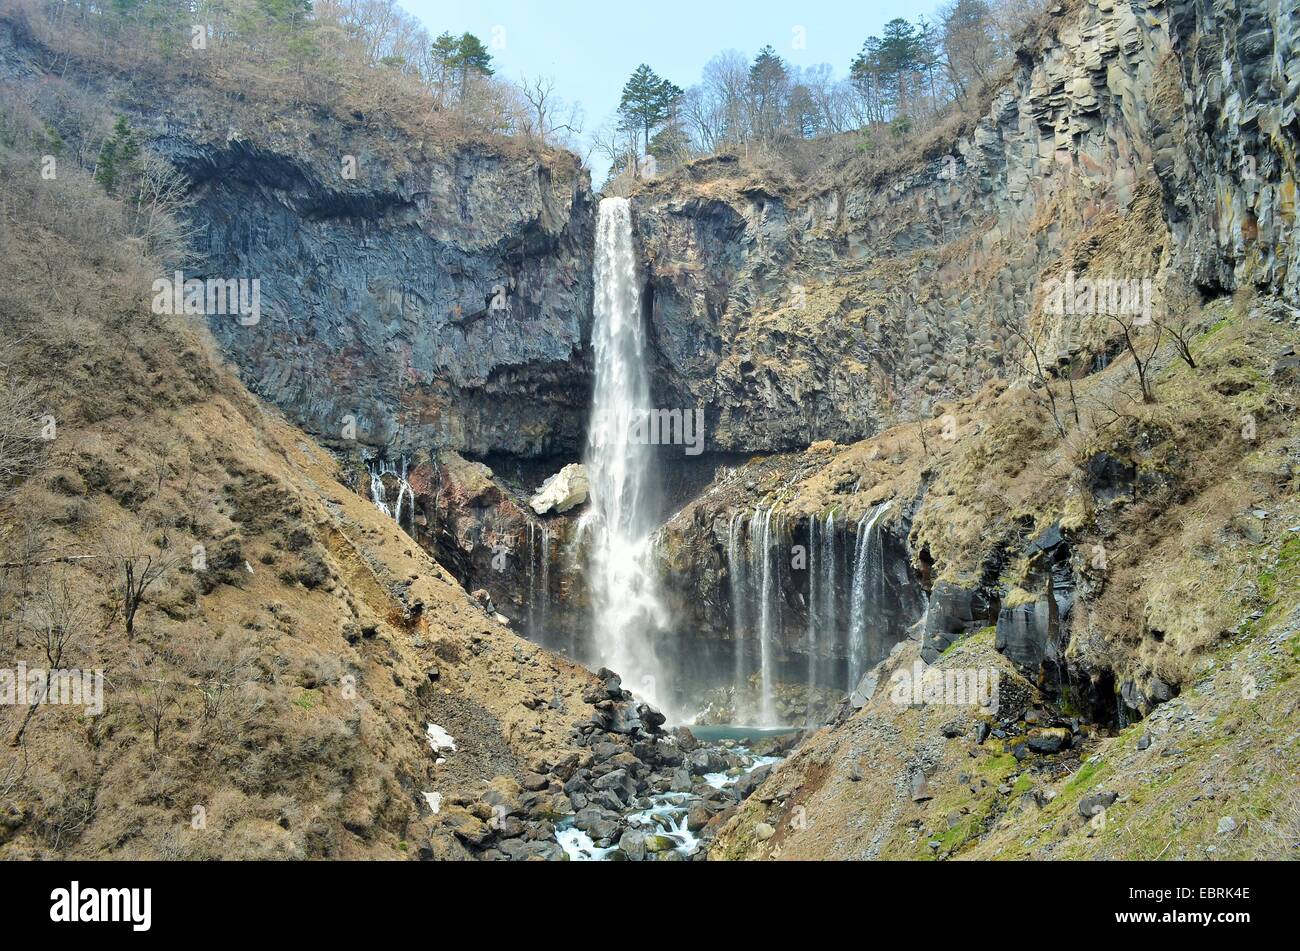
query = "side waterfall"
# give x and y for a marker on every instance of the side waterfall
(740, 596)
(626, 608)
(815, 596)
(769, 610)
(867, 593)
(405, 494)
(539, 578)
(851, 612)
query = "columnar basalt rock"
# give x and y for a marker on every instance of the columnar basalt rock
(440, 302)
(792, 316)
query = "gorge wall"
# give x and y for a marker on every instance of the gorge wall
(435, 307)
(1136, 139)
(1151, 143)
(440, 298)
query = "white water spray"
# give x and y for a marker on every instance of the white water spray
(405, 494)
(739, 604)
(626, 608)
(868, 578)
(769, 613)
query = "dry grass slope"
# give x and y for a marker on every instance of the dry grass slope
(291, 644)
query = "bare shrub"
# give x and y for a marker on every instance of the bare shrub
(137, 563)
(22, 422)
(59, 622)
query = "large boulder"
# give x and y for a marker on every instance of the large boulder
(562, 492)
(464, 483)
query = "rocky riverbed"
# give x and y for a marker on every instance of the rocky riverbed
(633, 791)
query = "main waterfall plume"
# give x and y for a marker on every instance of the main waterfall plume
(626, 609)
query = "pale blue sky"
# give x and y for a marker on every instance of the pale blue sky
(591, 48)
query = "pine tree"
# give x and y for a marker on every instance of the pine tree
(886, 65)
(900, 57)
(769, 82)
(117, 156)
(474, 55)
(648, 101)
(471, 57)
(286, 11)
(446, 50)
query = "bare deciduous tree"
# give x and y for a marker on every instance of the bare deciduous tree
(1030, 364)
(221, 672)
(1131, 330)
(22, 546)
(57, 622)
(161, 196)
(136, 564)
(548, 114)
(154, 700)
(1180, 317)
(21, 422)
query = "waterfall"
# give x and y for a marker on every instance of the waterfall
(814, 602)
(867, 592)
(739, 603)
(626, 609)
(769, 610)
(830, 588)
(379, 494)
(539, 579)
(546, 573)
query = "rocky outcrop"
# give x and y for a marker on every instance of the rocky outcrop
(445, 305)
(1033, 626)
(417, 292)
(1231, 177)
(792, 316)
(953, 613)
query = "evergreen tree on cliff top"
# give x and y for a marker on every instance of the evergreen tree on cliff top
(456, 59)
(648, 101)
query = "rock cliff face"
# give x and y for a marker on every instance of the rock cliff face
(442, 305)
(1230, 177)
(1131, 139)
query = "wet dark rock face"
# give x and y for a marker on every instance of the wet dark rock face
(955, 612)
(443, 304)
(694, 556)
(1033, 634)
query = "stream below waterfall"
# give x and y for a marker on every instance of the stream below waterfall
(667, 825)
